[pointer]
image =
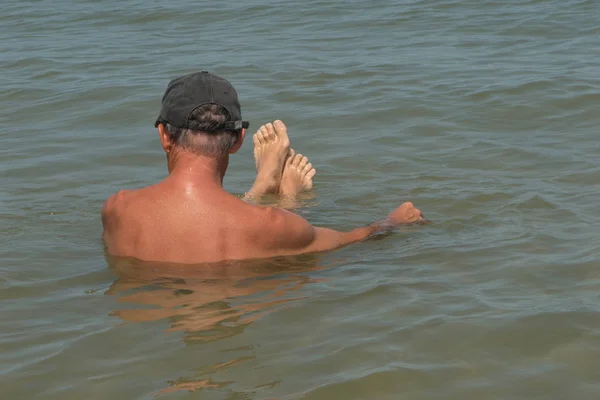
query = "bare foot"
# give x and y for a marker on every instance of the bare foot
(297, 175)
(271, 147)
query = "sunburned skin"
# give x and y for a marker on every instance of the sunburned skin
(189, 218)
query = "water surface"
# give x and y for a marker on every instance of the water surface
(483, 113)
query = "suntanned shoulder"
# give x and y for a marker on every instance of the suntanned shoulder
(287, 233)
(284, 231)
(111, 205)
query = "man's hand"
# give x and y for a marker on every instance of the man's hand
(405, 214)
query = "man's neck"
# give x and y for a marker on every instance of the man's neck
(197, 169)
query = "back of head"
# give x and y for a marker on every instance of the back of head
(204, 140)
(201, 114)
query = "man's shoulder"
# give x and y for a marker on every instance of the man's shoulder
(115, 200)
(117, 205)
(124, 197)
(269, 217)
(278, 228)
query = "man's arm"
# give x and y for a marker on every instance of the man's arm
(292, 234)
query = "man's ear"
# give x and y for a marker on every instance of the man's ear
(239, 143)
(165, 139)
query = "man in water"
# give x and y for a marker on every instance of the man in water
(189, 218)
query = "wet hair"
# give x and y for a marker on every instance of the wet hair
(206, 143)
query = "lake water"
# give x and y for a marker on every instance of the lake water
(485, 114)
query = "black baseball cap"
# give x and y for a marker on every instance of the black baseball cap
(186, 93)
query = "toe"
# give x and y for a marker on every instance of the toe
(311, 173)
(271, 133)
(255, 139)
(290, 158)
(307, 168)
(281, 131)
(307, 182)
(264, 130)
(303, 163)
(297, 160)
(261, 135)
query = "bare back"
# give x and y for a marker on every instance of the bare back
(167, 222)
(172, 223)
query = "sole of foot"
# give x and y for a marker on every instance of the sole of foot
(298, 174)
(271, 148)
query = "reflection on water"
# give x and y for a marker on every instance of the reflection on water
(208, 302)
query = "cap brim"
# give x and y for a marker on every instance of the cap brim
(225, 126)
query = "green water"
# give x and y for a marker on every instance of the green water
(485, 114)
